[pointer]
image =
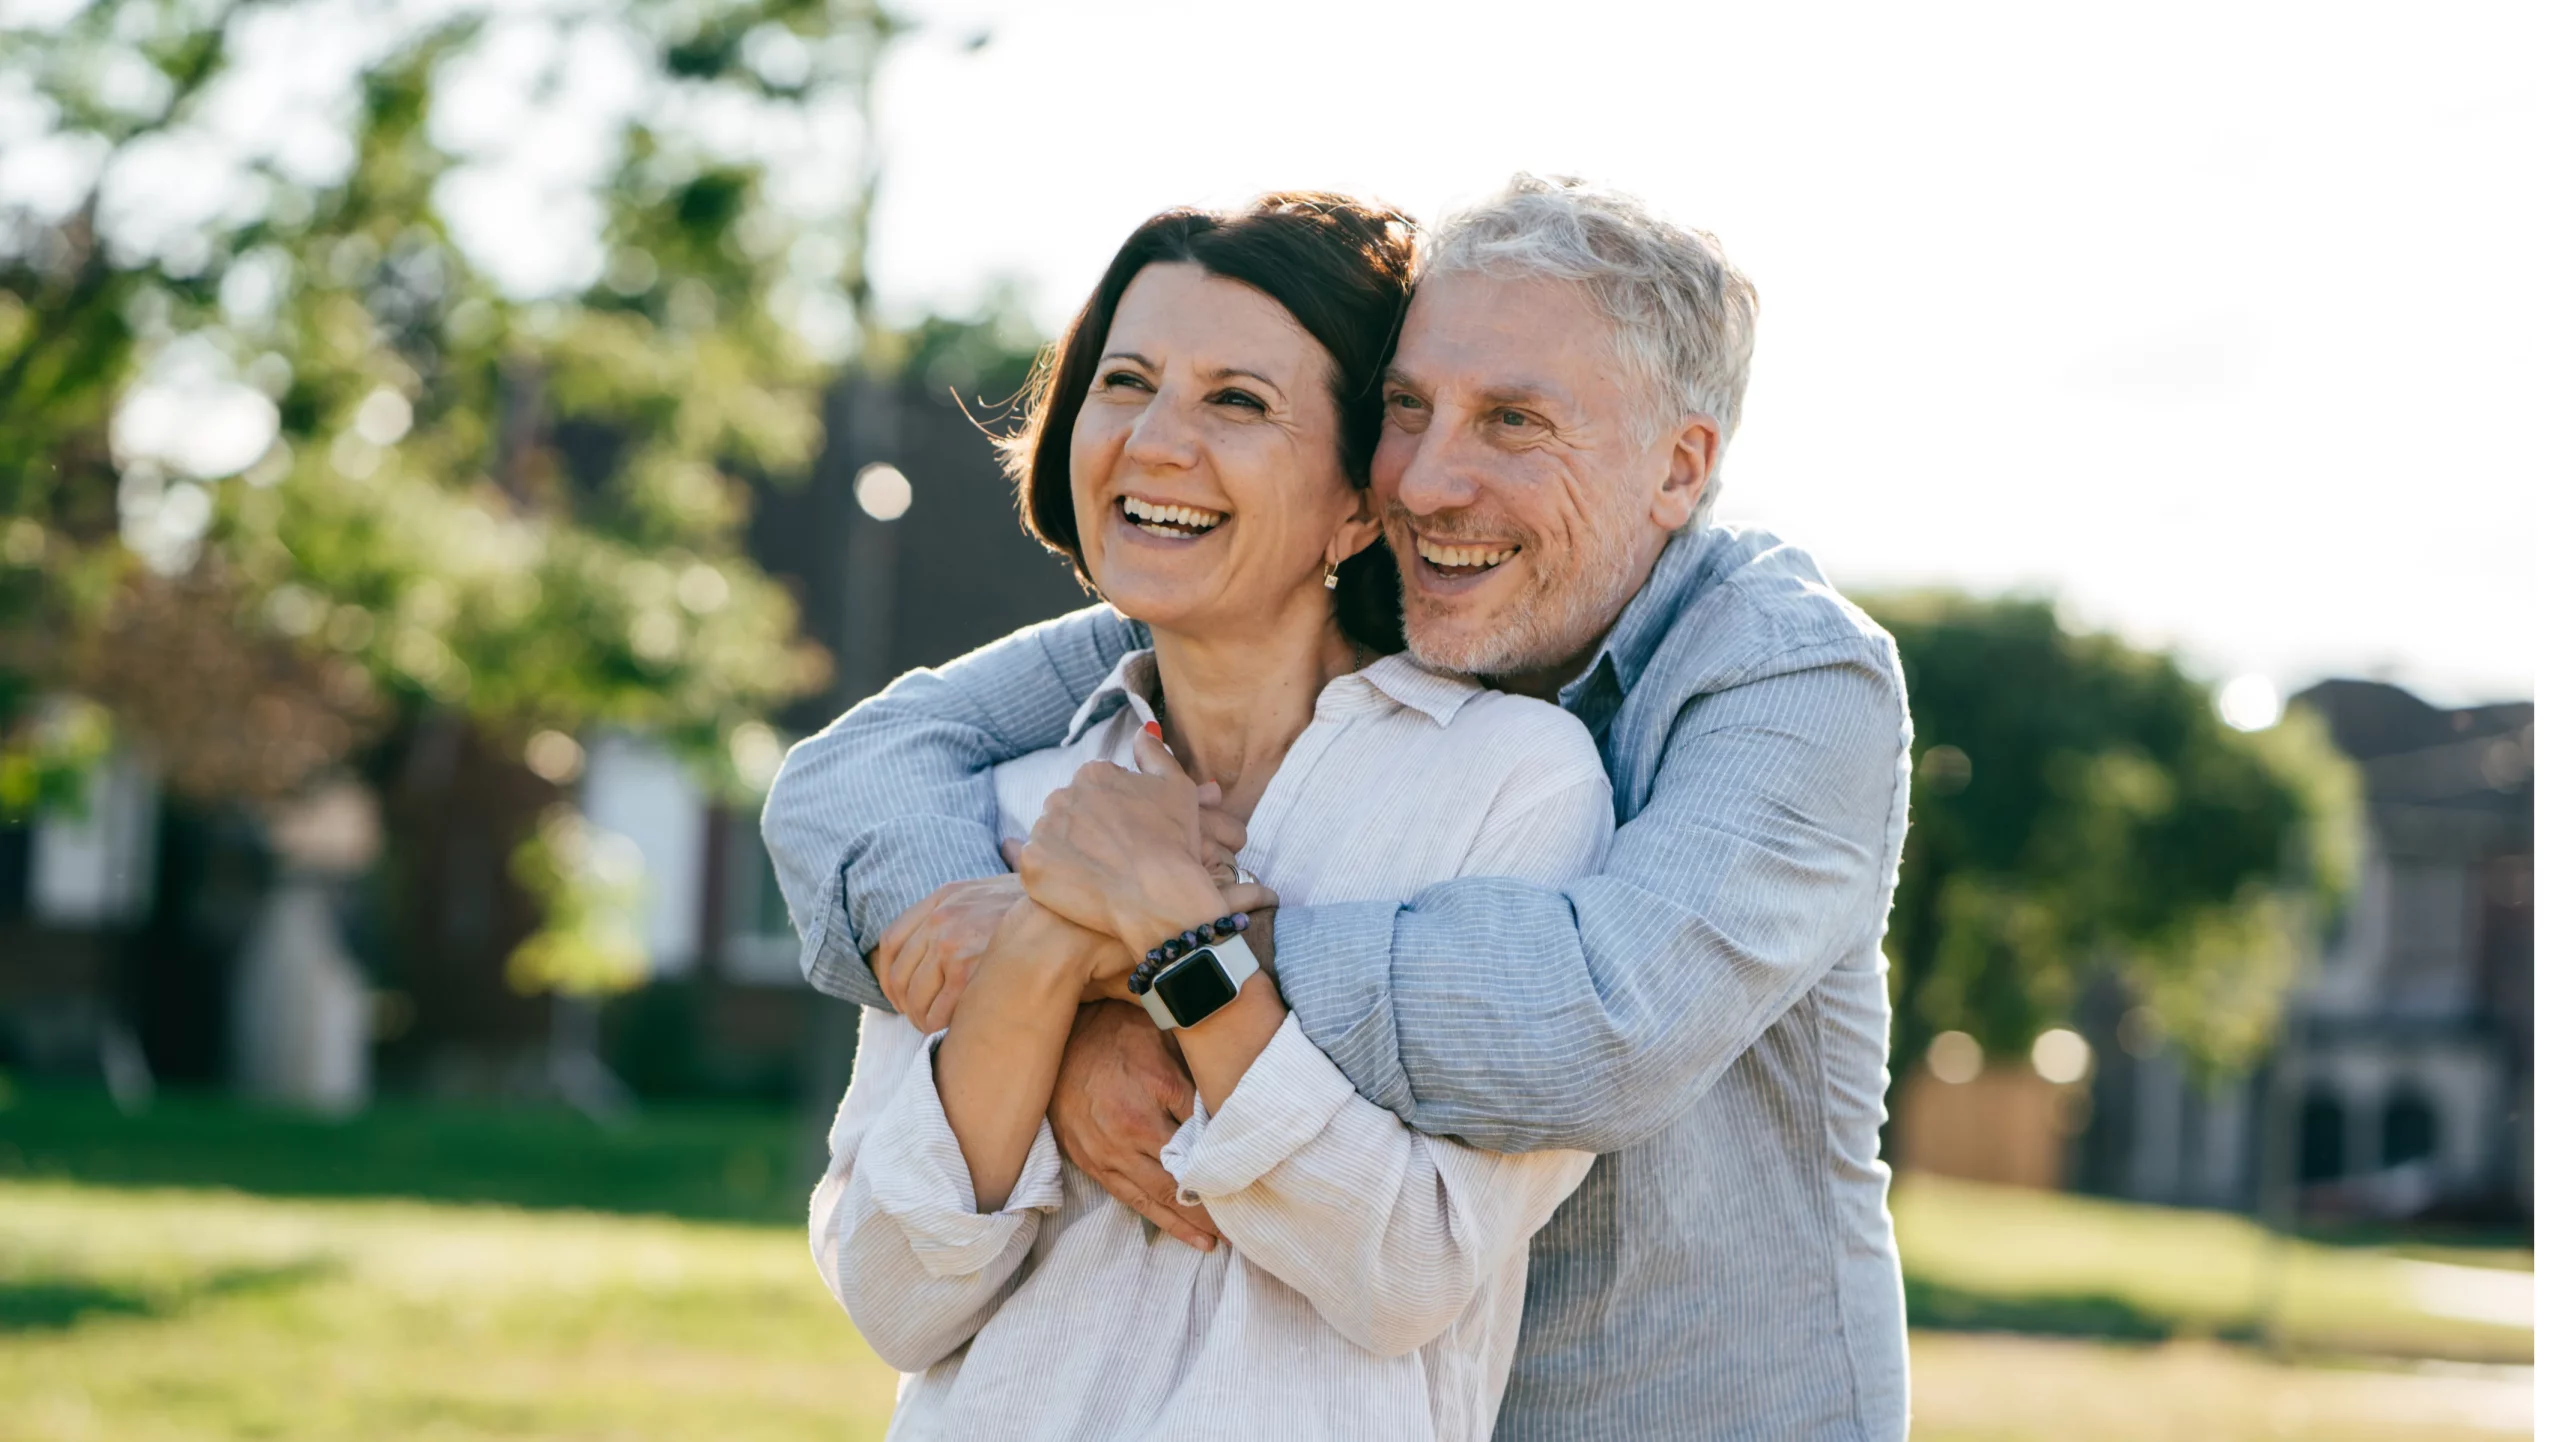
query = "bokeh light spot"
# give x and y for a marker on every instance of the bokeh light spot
(1955, 1058)
(2060, 1056)
(2249, 703)
(883, 491)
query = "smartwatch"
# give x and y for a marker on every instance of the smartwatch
(1191, 988)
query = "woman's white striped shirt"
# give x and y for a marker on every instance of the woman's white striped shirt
(1372, 1279)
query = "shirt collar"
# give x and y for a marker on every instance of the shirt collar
(1407, 682)
(1594, 694)
(1397, 679)
(1129, 686)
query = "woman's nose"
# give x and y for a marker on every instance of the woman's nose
(1161, 438)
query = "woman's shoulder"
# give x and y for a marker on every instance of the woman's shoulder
(1023, 783)
(1522, 745)
(1506, 723)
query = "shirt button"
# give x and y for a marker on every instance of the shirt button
(1186, 1196)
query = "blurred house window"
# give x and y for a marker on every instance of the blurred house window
(638, 789)
(2428, 964)
(93, 868)
(2324, 1138)
(2408, 1128)
(759, 946)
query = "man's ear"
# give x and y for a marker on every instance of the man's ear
(1694, 448)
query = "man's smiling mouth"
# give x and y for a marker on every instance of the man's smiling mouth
(1471, 560)
(1173, 522)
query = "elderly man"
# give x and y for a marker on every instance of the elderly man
(1709, 1011)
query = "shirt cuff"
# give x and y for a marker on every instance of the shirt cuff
(1284, 1101)
(877, 878)
(1333, 965)
(921, 1182)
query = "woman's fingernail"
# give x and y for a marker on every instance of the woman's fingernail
(1204, 1244)
(1155, 730)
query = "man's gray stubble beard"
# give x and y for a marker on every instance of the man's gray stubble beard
(1560, 615)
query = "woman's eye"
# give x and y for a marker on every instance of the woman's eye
(1245, 399)
(1120, 379)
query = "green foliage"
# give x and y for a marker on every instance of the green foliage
(2079, 808)
(523, 508)
(590, 885)
(46, 766)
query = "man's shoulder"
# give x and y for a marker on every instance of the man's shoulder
(1757, 606)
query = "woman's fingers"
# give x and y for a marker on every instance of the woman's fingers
(1154, 758)
(1222, 837)
(1011, 849)
(1247, 896)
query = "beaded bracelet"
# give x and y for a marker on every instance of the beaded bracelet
(1143, 978)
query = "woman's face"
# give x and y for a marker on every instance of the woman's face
(1209, 490)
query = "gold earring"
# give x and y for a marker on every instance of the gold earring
(1331, 575)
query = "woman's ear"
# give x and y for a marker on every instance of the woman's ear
(1358, 530)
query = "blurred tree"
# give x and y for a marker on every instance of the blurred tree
(2078, 808)
(289, 474)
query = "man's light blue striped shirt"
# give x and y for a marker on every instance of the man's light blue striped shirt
(1708, 1011)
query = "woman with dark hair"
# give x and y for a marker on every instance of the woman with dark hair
(1198, 445)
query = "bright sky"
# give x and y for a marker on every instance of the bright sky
(2225, 324)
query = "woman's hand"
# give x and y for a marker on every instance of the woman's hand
(1033, 937)
(1120, 852)
(998, 1064)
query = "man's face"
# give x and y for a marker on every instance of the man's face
(1525, 491)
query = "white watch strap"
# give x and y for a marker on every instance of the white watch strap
(1234, 957)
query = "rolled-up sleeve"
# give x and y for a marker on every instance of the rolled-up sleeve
(1522, 1017)
(895, 799)
(1389, 1233)
(894, 1225)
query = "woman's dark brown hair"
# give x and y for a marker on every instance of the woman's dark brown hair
(1341, 267)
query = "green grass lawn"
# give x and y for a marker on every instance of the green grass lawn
(441, 1272)
(149, 1314)
(1983, 1258)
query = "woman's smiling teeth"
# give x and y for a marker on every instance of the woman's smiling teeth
(1464, 558)
(1182, 522)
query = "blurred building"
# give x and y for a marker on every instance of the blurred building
(122, 932)
(905, 551)
(2403, 1084)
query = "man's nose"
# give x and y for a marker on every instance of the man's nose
(1440, 475)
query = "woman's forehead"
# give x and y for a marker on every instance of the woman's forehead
(1181, 316)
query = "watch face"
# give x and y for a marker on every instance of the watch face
(1194, 987)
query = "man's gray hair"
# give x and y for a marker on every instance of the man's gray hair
(1684, 316)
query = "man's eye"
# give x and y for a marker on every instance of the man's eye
(1512, 418)
(1403, 401)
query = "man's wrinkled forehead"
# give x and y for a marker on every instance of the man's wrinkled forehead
(1496, 339)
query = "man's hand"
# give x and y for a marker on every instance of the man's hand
(926, 957)
(1120, 1097)
(1122, 852)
